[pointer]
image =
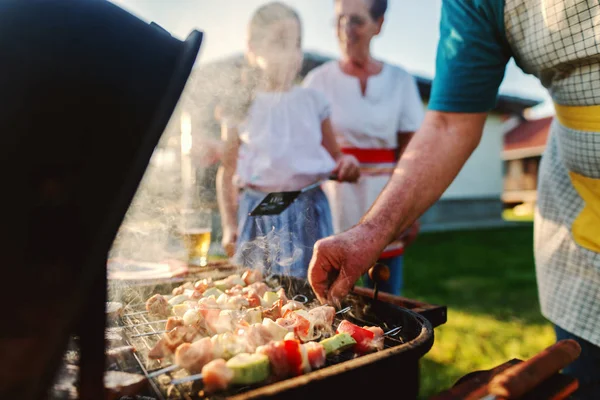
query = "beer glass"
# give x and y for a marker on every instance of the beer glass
(196, 228)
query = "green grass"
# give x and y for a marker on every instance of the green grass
(487, 280)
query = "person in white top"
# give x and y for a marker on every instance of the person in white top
(376, 107)
(279, 140)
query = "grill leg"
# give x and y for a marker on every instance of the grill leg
(91, 333)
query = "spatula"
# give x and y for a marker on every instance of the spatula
(276, 202)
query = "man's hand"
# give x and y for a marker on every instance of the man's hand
(338, 261)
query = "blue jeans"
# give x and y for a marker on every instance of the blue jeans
(586, 368)
(396, 282)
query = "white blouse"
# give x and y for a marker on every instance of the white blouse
(390, 105)
(281, 140)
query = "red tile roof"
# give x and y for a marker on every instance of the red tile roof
(528, 134)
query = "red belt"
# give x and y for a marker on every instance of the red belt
(371, 156)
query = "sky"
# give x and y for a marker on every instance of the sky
(409, 37)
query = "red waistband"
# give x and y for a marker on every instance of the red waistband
(371, 156)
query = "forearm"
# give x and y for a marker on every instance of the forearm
(429, 164)
(329, 141)
(226, 197)
(404, 139)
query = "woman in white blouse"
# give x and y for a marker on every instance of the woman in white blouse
(376, 108)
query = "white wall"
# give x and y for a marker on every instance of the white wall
(482, 174)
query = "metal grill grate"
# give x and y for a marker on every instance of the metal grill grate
(149, 336)
(144, 337)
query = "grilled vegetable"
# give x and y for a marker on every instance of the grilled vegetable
(178, 299)
(253, 316)
(338, 343)
(365, 338)
(213, 291)
(269, 298)
(277, 331)
(192, 317)
(229, 282)
(249, 368)
(180, 309)
(293, 352)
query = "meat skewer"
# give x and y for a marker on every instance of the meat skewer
(273, 312)
(256, 335)
(312, 356)
(156, 306)
(280, 359)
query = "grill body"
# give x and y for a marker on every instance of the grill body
(345, 374)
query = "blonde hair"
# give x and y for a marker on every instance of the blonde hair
(260, 23)
(267, 15)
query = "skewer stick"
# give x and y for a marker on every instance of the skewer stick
(344, 310)
(196, 377)
(148, 334)
(145, 323)
(165, 370)
(136, 313)
(393, 331)
(190, 378)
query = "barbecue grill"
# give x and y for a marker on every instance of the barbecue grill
(88, 89)
(396, 364)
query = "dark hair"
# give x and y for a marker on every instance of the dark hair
(378, 9)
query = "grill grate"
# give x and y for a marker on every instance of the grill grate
(162, 384)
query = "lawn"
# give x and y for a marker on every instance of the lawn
(487, 280)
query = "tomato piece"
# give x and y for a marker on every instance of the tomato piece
(363, 337)
(294, 356)
(301, 324)
(253, 300)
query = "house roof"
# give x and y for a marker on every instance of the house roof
(527, 139)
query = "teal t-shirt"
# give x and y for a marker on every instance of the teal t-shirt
(471, 56)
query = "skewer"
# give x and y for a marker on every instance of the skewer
(148, 334)
(135, 313)
(190, 378)
(393, 331)
(146, 323)
(343, 310)
(165, 370)
(196, 377)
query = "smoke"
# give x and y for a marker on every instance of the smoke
(276, 252)
(149, 231)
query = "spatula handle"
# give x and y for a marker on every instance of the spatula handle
(521, 378)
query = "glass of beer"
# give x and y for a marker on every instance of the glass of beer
(196, 228)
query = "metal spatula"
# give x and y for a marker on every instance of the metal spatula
(274, 203)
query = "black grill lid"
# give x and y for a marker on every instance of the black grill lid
(86, 90)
